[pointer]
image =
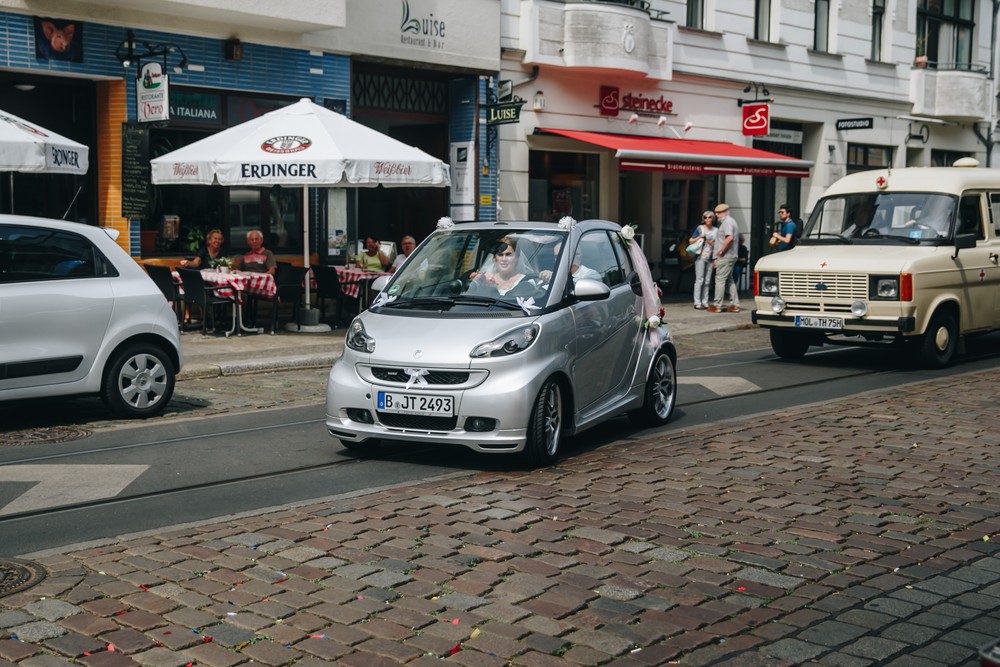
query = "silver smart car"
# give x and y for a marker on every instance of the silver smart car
(504, 337)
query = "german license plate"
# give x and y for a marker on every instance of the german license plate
(415, 404)
(807, 322)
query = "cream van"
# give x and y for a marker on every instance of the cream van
(900, 255)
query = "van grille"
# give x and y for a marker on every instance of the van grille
(837, 287)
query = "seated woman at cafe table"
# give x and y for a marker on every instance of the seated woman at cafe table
(209, 253)
(258, 259)
(372, 259)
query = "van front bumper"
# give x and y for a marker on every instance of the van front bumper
(853, 326)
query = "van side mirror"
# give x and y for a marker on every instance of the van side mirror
(964, 241)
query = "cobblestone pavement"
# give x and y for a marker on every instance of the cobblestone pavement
(863, 533)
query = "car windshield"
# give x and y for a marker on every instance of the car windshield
(461, 270)
(883, 217)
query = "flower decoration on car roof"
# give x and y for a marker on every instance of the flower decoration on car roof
(445, 223)
(567, 222)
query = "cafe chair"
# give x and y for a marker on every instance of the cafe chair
(328, 286)
(163, 279)
(206, 297)
(288, 283)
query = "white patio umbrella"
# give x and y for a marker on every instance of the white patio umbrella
(27, 147)
(303, 144)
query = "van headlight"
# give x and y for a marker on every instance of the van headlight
(884, 288)
(358, 339)
(778, 305)
(512, 342)
(859, 308)
(768, 283)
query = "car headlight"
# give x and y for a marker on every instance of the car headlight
(358, 339)
(512, 342)
(768, 284)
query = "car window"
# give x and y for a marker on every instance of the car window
(31, 253)
(970, 220)
(596, 252)
(995, 211)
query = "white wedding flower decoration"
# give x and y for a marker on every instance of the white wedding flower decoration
(567, 222)
(628, 232)
(445, 223)
(653, 322)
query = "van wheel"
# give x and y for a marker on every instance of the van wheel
(660, 394)
(939, 342)
(138, 382)
(545, 426)
(789, 344)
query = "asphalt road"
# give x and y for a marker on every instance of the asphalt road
(238, 444)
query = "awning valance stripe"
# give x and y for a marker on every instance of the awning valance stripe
(639, 153)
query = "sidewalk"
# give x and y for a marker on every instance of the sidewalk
(208, 356)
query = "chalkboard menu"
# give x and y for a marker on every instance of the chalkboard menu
(135, 170)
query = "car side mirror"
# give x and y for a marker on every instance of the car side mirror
(379, 283)
(587, 289)
(963, 241)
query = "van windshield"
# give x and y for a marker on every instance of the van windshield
(456, 270)
(914, 217)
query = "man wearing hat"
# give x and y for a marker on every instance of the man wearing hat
(725, 254)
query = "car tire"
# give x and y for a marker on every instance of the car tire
(660, 394)
(138, 381)
(789, 344)
(939, 342)
(545, 426)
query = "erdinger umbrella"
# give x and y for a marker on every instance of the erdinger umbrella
(302, 144)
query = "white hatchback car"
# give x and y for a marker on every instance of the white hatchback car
(504, 337)
(79, 316)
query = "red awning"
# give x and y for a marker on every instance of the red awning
(689, 156)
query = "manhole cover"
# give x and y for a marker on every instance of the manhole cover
(40, 436)
(18, 575)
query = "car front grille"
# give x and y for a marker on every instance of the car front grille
(388, 374)
(417, 423)
(825, 287)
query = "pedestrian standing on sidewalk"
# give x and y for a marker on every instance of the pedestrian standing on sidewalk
(703, 260)
(727, 241)
(787, 235)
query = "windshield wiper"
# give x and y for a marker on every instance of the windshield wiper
(902, 239)
(833, 234)
(466, 299)
(418, 301)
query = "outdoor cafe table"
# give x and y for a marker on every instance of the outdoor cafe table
(239, 284)
(352, 278)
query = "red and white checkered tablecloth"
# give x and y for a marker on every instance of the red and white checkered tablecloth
(243, 282)
(352, 274)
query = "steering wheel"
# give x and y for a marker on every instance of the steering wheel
(870, 233)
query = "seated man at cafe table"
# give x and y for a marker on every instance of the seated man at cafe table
(258, 259)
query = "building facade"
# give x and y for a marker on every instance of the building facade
(417, 70)
(650, 112)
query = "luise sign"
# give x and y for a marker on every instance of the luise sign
(504, 112)
(151, 94)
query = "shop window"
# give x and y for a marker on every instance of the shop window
(940, 158)
(861, 157)
(562, 184)
(944, 32)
